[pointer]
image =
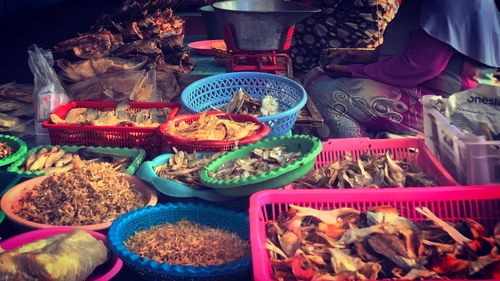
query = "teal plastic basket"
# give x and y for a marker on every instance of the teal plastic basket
(137, 156)
(17, 145)
(145, 218)
(309, 146)
(172, 188)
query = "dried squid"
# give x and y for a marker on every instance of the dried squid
(370, 170)
(346, 244)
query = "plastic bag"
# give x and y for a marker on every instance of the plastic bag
(48, 92)
(135, 85)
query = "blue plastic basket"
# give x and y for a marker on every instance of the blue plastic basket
(216, 91)
(145, 218)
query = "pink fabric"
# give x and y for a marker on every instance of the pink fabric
(424, 59)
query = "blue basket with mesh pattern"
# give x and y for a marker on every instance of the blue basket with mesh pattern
(145, 218)
(216, 91)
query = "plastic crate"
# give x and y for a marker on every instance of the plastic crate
(216, 91)
(470, 159)
(136, 155)
(210, 145)
(147, 138)
(481, 203)
(413, 150)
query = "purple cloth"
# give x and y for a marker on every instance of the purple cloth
(424, 59)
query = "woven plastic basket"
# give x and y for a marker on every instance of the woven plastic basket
(210, 145)
(145, 218)
(413, 150)
(481, 203)
(18, 146)
(216, 91)
(137, 156)
(146, 138)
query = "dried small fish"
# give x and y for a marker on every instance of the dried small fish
(242, 103)
(261, 160)
(370, 170)
(5, 150)
(211, 127)
(185, 168)
(345, 244)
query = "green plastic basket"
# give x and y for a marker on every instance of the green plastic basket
(309, 146)
(19, 147)
(137, 156)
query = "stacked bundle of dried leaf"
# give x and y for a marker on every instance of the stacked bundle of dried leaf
(16, 109)
(126, 55)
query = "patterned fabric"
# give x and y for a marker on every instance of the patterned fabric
(341, 24)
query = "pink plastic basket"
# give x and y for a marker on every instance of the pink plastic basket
(104, 272)
(412, 149)
(481, 203)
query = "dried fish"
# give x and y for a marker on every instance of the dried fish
(261, 160)
(87, 194)
(345, 244)
(5, 150)
(370, 170)
(211, 127)
(185, 168)
(187, 243)
(242, 103)
(123, 115)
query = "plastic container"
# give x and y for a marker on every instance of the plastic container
(172, 188)
(11, 197)
(137, 156)
(210, 145)
(103, 272)
(146, 138)
(8, 180)
(413, 150)
(309, 146)
(145, 218)
(18, 146)
(470, 159)
(481, 203)
(216, 91)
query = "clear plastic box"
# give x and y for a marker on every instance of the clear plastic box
(470, 159)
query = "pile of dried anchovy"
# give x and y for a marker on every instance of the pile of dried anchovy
(185, 168)
(371, 170)
(87, 194)
(261, 160)
(188, 244)
(346, 244)
(5, 150)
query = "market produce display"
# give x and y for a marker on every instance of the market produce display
(185, 168)
(75, 255)
(242, 103)
(188, 243)
(261, 160)
(371, 170)
(346, 244)
(5, 150)
(211, 127)
(87, 194)
(56, 160)
(122, 115)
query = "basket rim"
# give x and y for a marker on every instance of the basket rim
(263, 131)
(227, 184)
(74, 104)
(146, 172)
(138, 157)
(117, 245)
(279, 115)
(18, 154)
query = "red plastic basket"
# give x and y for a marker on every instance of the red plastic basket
(114, 136)
(197, 145)
(413, 150)
(481, 203)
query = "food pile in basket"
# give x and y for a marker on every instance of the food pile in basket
(242, 103)
(5, 150)
(346, 244)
